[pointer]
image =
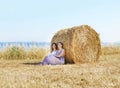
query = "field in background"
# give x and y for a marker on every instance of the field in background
(110, 50)
(20, 53)
(20, 74)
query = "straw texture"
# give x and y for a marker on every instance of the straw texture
(81, 44)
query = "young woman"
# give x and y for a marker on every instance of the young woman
(61, 53)
(53, 53)
(57, 58)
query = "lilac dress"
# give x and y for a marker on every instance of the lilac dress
(52, 60)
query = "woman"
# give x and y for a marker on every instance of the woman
(57, 58)
(53, 53)
(61, 53)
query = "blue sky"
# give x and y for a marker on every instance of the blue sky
(38, 20)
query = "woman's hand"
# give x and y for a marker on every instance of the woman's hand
(57, 56)
(62, 53)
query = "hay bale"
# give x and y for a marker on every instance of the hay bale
(81, 44)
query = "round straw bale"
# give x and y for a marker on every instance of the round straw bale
(81, 44)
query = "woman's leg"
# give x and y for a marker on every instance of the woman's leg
(54, 61)
(45, 61)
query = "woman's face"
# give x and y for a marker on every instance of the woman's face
(59, 45)
(54, 46)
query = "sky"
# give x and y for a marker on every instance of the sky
(39, 20)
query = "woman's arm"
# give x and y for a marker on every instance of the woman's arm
(61, 54)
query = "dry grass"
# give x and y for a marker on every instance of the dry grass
(81, 43)
(37, 53)
(103, 74)
(19, 53)
(110, 50)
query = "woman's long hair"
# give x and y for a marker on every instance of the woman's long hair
(52, 46)
(61, 44)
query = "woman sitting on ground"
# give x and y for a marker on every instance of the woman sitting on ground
(56, 57)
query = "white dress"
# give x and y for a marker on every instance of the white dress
(52, 53)
(51, 59)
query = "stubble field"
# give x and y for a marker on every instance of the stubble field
(26, 74)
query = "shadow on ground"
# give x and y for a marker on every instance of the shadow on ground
(32, 63)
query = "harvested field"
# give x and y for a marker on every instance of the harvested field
(104, 74)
